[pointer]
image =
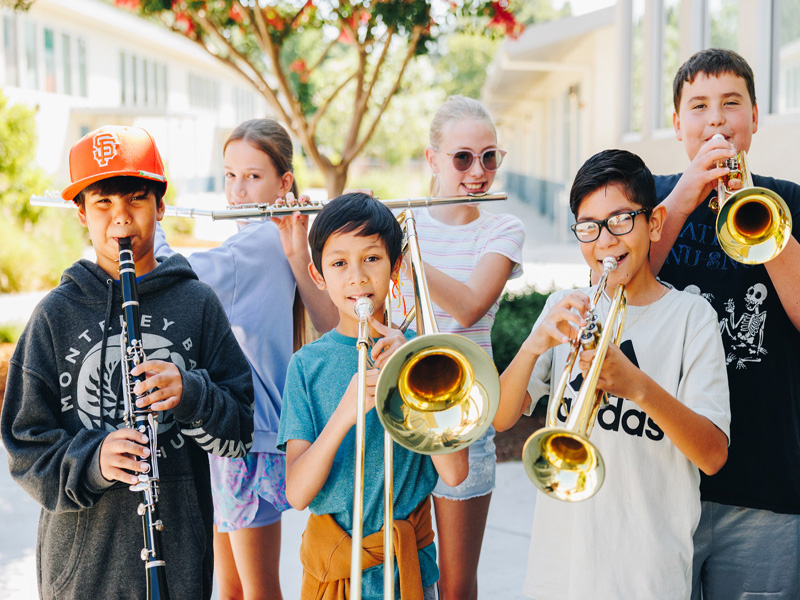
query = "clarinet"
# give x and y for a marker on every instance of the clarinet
(144, 421)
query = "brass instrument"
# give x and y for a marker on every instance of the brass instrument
(753, 224)
(561, 461)
(279, 209)
(437, 394)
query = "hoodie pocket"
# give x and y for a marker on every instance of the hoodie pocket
(61, 543)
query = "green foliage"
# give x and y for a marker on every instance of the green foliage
(18, 177)
(513, 323)
(33, 256)
(461, 67)
(37, 244)
(10, 332)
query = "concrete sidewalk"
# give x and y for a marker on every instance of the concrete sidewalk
(500, 573)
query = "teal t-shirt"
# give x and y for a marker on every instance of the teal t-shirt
(318, 376)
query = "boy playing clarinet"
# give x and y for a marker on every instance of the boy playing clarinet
(62, 422)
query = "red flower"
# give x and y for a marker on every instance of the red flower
(504, 20)
(235, 15)
(129, 4)
(184, 22)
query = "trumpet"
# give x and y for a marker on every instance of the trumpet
(561, 461)
(280, 209)
(753, 224)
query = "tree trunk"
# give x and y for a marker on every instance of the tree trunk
(335, 179)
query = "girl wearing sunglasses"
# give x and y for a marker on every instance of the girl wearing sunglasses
(469, 255)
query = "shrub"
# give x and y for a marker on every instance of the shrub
(513, 323)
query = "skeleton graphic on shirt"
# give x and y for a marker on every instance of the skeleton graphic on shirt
(746, 332)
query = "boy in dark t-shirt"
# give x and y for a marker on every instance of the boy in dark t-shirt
(747, 540)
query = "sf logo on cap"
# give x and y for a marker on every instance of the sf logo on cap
(104, 147)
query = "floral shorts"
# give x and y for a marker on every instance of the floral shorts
(237, 484)
(482, 469)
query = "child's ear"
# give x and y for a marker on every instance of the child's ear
(755, 118)
(287, 179)
(317, 277)
(430, 156)
(82, 215)
(396, 269)
(676, 125)
(656, 223)
(162, 208)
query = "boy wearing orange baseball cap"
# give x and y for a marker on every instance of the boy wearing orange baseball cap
(62, 423)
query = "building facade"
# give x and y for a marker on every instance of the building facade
(567, 89)
(86, 63)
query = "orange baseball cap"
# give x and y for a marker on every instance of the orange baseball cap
(112, 151)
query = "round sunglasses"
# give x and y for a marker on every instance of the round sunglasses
(463, 160)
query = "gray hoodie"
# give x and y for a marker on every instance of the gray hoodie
(60, 405)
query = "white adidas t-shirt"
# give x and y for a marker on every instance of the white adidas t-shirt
(456, 250)
(633, 539)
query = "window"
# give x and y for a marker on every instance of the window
(123, 81)
(203, 92)
(10, 49)
(66, 62)
(722, 24)
(82, 84)
(134, 80)
(637, 67)
(31, 58)
(49, 61)
(145, 83)
(670, 60)
(787, 34)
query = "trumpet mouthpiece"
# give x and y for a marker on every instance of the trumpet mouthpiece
(717, 136)
(609, 263)
(363, 307)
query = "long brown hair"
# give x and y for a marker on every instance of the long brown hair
(271, 138)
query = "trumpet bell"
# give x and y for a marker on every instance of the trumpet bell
(459, 408)
(754, 225)
(563, 464)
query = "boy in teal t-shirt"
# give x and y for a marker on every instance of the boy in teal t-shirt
(356, 250)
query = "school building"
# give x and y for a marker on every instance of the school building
(569, 88)
(86, 63)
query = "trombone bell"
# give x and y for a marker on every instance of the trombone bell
(468, 404)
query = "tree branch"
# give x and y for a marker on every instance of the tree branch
(409, 55)
(312, 125)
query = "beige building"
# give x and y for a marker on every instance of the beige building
(86, 63)
(567, 89)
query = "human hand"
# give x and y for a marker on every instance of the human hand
(392, 339)
(703, 173)
(618, 375)
(560, 325)
(348, 405)
(163, 381)
(293, 229)
(118, 454)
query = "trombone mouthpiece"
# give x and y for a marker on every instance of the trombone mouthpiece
(363, 308)
(609, 263)
(717, 136)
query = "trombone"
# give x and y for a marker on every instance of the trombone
(279, 209)
(436, 394)
(561, 461)
(753, 224)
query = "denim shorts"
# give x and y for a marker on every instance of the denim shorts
(482, 469)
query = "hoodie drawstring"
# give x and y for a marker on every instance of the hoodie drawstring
(106, 328)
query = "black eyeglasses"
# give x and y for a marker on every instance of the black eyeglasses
(619, 224)
(463, 160)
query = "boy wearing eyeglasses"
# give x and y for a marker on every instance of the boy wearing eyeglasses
(667, 417)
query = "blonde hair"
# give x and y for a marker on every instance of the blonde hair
(455, 108)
